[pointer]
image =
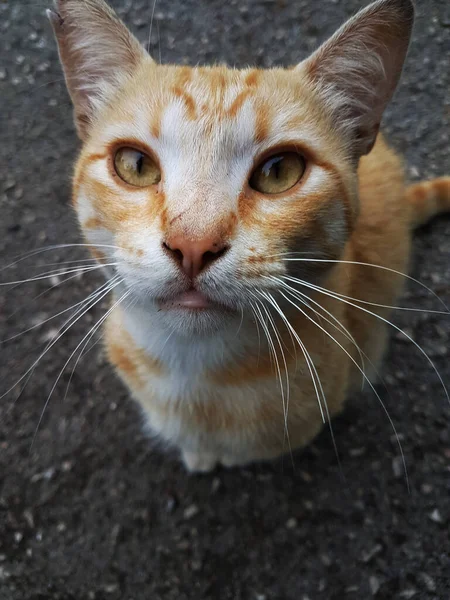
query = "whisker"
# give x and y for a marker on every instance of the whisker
(82, 354)
(332, 295)
(22, 257)
(365, 377)
(46, 291)
(151, 27)
(285, 398)
(58, 272)
(382, 267)
(257, 331)
(67, 325)
(88, 335)
(314, 377)
(305, 299)
(90, 297)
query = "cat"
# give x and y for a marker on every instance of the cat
(254, 224)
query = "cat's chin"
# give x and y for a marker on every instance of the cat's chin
(190, 321)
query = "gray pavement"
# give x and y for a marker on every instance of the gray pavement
(94, 510)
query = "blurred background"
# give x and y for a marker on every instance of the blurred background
(89, 507)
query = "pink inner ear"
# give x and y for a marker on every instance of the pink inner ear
(357, 70)
(97, 52)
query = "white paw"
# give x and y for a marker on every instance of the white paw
(229, 461)
(197, 462)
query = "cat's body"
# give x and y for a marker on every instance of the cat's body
(223, 337)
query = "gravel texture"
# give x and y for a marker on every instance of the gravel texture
(91, 510)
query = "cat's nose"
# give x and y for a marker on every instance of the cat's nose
(195, 256)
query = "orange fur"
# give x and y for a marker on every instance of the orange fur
(209, 384)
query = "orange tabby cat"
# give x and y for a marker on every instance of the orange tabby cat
(239, 209)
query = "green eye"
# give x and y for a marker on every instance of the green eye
(136, 168)
(278, 173)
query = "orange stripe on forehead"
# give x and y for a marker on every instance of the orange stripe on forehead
(262, 125)
(183, 75)
(217, 79)
(252, 78)
(238, 102)
(155, 125)
(188, 101)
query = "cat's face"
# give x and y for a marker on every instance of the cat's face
(201, 184)
(207, 180)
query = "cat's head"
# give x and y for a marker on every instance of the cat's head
(201, 183)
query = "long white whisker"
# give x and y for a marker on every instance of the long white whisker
(273, 352)
(67, 325)
(88, 335)
(46, 291)
(365, 377)
(59, 272)
(369, 312)
(82, 302)
(80, 356)
(314, 376)
(382, 267)
(31, 253)
(151, 27)
(285, 397)
(257, 330)
(306, 300)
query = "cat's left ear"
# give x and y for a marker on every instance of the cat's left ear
(97, 53)
(357, 70)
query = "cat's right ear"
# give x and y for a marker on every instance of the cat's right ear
(97, 53)
(357, 70)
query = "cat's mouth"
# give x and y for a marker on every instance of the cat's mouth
(191, 300)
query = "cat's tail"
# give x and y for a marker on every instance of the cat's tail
(428, 199)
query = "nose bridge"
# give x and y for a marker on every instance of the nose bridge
(201, 213)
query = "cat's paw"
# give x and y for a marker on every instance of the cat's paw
(229, 461)
(199, 462)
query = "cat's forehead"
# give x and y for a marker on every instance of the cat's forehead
(229, 109)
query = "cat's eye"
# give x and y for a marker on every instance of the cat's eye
(136, 168)
(278, 173)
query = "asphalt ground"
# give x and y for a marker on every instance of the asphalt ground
(89, 507)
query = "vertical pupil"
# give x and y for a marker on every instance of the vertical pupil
(277, 167)
(139, 163)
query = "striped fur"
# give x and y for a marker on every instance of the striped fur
(211, 382)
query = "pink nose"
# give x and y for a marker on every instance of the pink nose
(194, 256)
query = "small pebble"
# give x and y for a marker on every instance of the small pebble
(367, 556)
(355, 452)
(409, 593)
(326, 560)
(435, 516)
(171, 503)
(428, 581)
(215, 485)
(374, 584)
(196, 565)
(291, 523)
(191, 511)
